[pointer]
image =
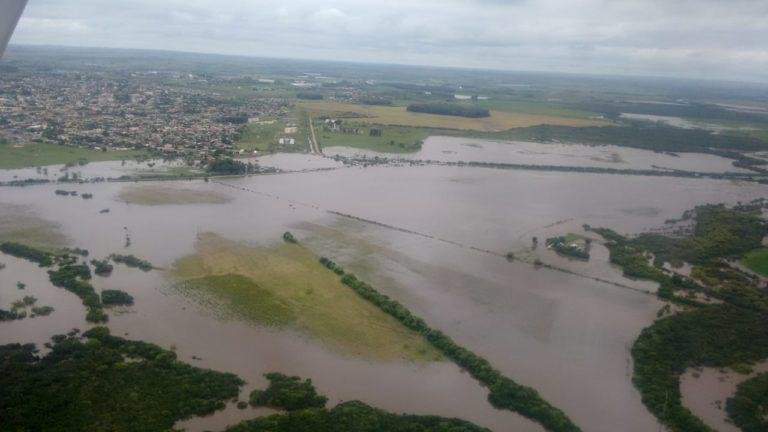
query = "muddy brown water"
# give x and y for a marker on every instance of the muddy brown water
(456, 149)
(706, 390)
(566, 335)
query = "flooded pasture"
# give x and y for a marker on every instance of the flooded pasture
(432, 237)
(93, 170)
(453, 149)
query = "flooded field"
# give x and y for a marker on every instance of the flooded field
(432, 237)
(92, 170)
(451, 149)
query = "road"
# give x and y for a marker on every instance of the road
(314, 147)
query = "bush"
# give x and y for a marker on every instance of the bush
(44, 259)
(132, 261)
(94, 386)
(102, 267)
(73, 278)
(229, 166)
(353, 416)
(748, 408)
(287, 392)
(116, 298)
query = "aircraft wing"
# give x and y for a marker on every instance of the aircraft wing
(10, 11)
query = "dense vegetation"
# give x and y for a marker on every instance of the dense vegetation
(116, 298)
(287, 392)
(749, 407)
(718, 232)
(309, 96)
(289, 238)
(444, 108)
(568, 247)
(132, 261)
(757, 261)
(733, 333)
(102, 267)
(353, 416)
(715, 336)
(74, 278)
(504, 392)
(690, 110)
(230, 166)
(654, 137)
(375, 101)
(104, 383)
(19, 250)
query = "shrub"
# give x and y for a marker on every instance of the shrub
(288, 392)
(116, 297)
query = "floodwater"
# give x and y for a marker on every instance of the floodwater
(434, 239)
(706, 390)
(453, 149)
(92, 170)
(153, 167)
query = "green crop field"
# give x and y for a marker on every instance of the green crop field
(261, 137)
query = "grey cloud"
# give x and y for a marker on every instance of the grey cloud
(701, 38)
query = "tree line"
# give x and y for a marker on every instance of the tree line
(451, 109)
(504, 392)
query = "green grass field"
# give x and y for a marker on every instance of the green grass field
(400, 116)
(534, 108)
(757, 261)
(285, 286)
(394, 139)
(38, 154)
(261, 137)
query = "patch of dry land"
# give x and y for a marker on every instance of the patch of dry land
(152, 195)
(20, 224)
(398, 115)
(285, 286)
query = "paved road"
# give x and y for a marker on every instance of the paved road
(314, 147)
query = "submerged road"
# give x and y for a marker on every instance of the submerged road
(435, 238)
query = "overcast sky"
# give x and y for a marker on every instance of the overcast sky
(694, 38)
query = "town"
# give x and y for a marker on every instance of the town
(179, 115)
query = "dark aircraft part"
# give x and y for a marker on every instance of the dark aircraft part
(10, 11)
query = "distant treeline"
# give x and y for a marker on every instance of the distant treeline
(309, 96)
(234, 119)
(654, 137)
(371, 100)
(504, 392)
(353, 416)
(685, 110)
(444, 108)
